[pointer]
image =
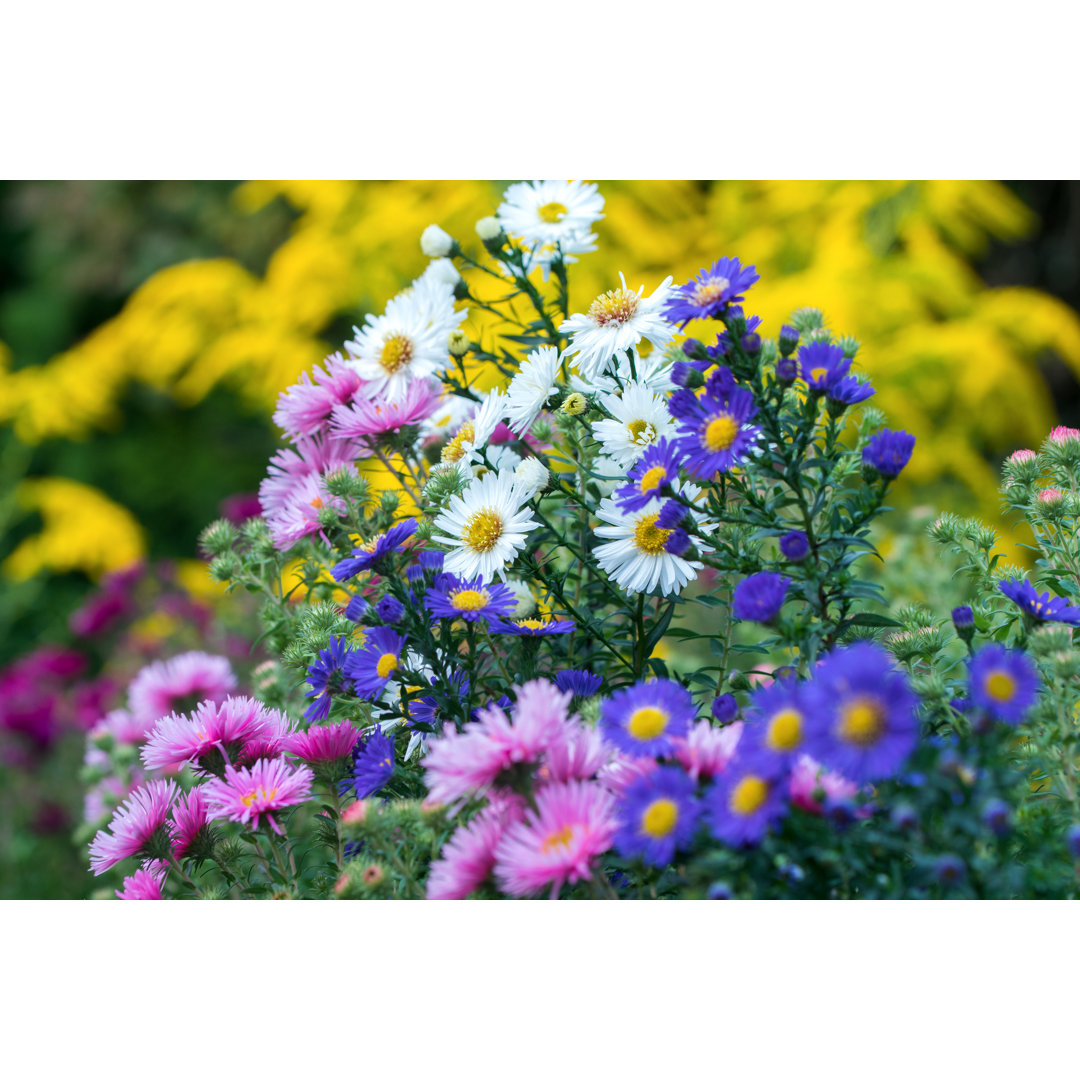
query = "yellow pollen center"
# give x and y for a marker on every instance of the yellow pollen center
(1000, 685)
(483, 530)
(641, 432)
(818, 373)
(647, 723)
(648, 538)
(660, 818)
(862, 721)
(748, 795)
(616, 307)
(560, 839)
(370, 545)
(388, 662)
(785, 730)
(710, 290)
(533, 624)
(721, 432)
(469, 600)
(551, 212)
(396, 353)
(259, 794)
(653, 479)
(317, 502)
(454, 450)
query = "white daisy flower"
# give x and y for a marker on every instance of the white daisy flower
(443, 271)
(653, 371)
(474, 433)
(502, 457)
(550, 211)
(436, 242)
(615, 323)
(531, 387)
(452, 412)
(640, 419)
(634, 556)
(532, 477)
(486, 525)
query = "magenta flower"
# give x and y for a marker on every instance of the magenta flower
(579, 755)
(133, 826)
(811, 783)
(177, 685)
(705, 750)
(376, 416)
(247, 795)
(306, 406)
(144, 884)
(468, 857)
(225, 727)
(323, 744)
(190, 814)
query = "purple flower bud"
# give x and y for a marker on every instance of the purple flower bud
(725, 708)
(904, 817)
(692, 347)
(751, 343)
(678, 543)
(950, 869)
(788, 341)
(787, 369)
(389, 609)
(794, 546)
(719, 890)
(1072, 840)
(356, 609)
(997, 816)
(963, 617)
(759, 597)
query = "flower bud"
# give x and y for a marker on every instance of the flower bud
(574, 404)
(436, 242)
(787, 369)
(788, 340)
(725, 708)
(458, 343)
(490, 231)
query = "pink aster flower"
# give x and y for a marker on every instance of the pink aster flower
(579, 755)
(808, 778)
(178, 684)
(572, 825)
(225, 727)
(125, 728)
(377, 416)
(270, 740)
(1021, 455)
(190, 814)
(1062, 434)
(305, 407)
(246, 795)
(623, 769)
(133, 825)
(323, 744)
(291, 467)
(468, 857)
(145, 884)
(705, 750)
(1050, 495)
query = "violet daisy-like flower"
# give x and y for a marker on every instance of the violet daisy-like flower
(1040, 606)
(535, 626)
(135, 827)
(371, 551)
(249, 795)
(468, 857)
(190, 817)
(862, 713)
(326, 677)
(559, 842)
(849, 391)
(657, 815)
(453, 597)
(144, 884)
(759, 597)
(211, 736)
(582, 684)
(322, 744)
(776, 729)
(178, 684)
(707, 295)
(372, 667)
(823, 365)
(743, 804)
(1004, 682)
(656, 470)
(373, 763)
(888, 452)
(643, 720)
(714, 432)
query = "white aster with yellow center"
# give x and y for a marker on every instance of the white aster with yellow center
(487, 525)
(472, 436)
(548, 212)
(639, 418)
(531, 387)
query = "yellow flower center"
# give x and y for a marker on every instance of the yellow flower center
(259, 794)
(483, 530)
(748, 796)
(646, 723)
(454, 450)
(648, 538)
(862, 721)
(721, 432)
(574, 404)
(551, 212)
(396, 353)
(785, 730)
(1000, 685)
(615, 307)
(317, 503)
(710, 290)
(370, 545)
(818, 373)
(388, 663)
(660, 818)
(558, 839)
(653, 479)
(641, 432)
(470, 600)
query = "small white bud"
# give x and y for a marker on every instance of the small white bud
(444, 271)
(488, 228)
(531, 477)
(526, 602)
(436, 242)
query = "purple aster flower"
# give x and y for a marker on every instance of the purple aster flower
(356, 609)
(714, 433)
(428, 710)
(656, 470)
(823, 365)
(582, 684)
(689, 373)
(707, 295)
(642, 720)
(1004, 682)
(788, 341)
(369, 553)
(1039, 606)
(454, 597)
(671, 514)
(373, 763)
(888, 452)
(321, 744)
(135, 827)
(725, 708)
(536, 626)
(777, 728)
(949, 869)
(389, 609)
(997, 816)
(656, 815)
(963, 617)
(759, 597)
(326, 678)
(371, 667)
(794, 546)
(849, 391)
(743, 804)
(862, 713)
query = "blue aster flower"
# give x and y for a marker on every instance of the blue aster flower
(862, 713)
(326, 678)
(389, 609)
(652, 476)
(671, 514)
(714, 430)
(371, 667)
(582, 684)
(794, 546)
(535, 626)
(369, 553)
(823, 365)
(743, 804)
(888, 452)
(643, 719)
(656, 816)
(707, 295)
(725, 708)
(849, 391)
(777, 728)
(751, 340)
(356, 609)
(373, 763)
(453, 597)
(759, 597)
(1039, 606)
(1004, 682)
